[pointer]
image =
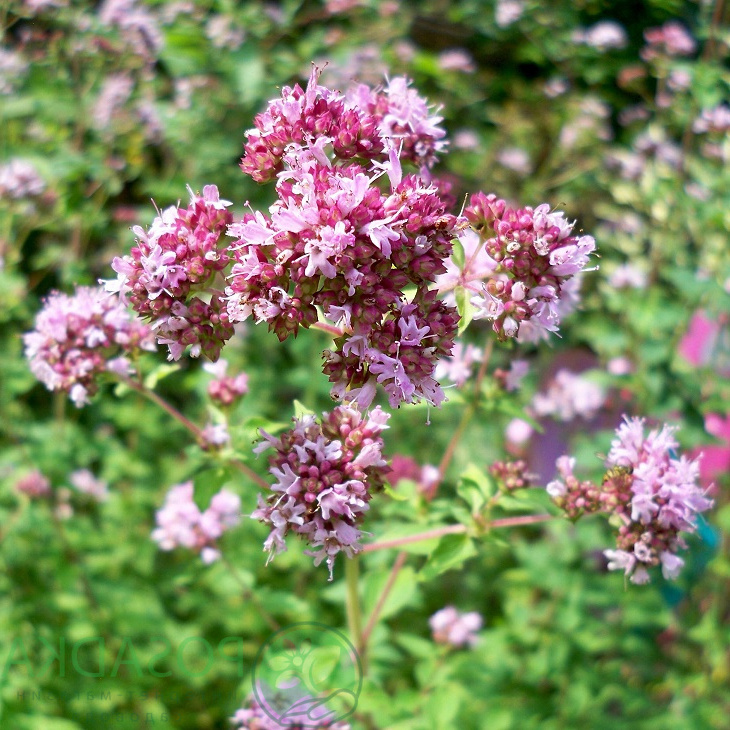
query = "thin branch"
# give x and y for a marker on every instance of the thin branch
(190, 426)
(162, 403)
(375, 615)
(250, 473)
(465, 419)
(455, 530)
(249, 595)
(419, 537)
(352, 606)
(328, 328)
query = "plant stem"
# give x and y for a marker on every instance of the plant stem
(162, 403)
(249, 595)
(455, 530)
(451, 529)
(327, 327)
(420, 537)
(190, 426)
(250, 473)
(352, 606)
(373, 620)
(465, 419)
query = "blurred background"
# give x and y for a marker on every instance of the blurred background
(616, 112)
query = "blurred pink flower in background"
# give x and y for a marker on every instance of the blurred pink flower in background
(450, 626)
(465, 139)
(518, 431)
(515, 159)
(700, 344)
(715, 459)
(672, 39)
(34, 485)
(628, 276)
(456, 59)
(85, 482)
(602, 36)
(508, 11)
(569, 395)
(457, 368)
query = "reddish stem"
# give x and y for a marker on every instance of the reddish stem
(454, 530)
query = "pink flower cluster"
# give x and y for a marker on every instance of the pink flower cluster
(79, 337)
(174, 261)
(716, 119)
(568, 396)
(255, 717)
(536, 255)
(334, 239)
(671, 39)
(512, 475)
(225, 389)
(325, 475)
(651, 493)
(450, 626)
(35, 485)
(363, 123)
(180, 523)
(19, 179)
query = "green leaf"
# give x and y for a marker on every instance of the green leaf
(397, 496)
(457, 254)
(301, 410)
(403, 593)
(159, 373)
(451, 553)
(443, 704)
(475, 487)
(464, 307)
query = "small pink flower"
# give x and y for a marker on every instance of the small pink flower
(701, 340)
(34, 484)
(457, 629)
(180, 523)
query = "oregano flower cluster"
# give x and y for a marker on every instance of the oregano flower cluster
(79, 337)
(254, 716)
(167, 273)
(181, 523)
(337, 238)
(650, 493)
(536, 256)
(326, 473)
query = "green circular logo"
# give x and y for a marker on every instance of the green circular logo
(307, 674)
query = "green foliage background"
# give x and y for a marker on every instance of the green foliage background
(565, 644)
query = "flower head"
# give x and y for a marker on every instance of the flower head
(536, 255)
(325, 476)
(348, 238)
(450, 626)
(175, 260)
(648, 490)
(180, 522)
(79, 337)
